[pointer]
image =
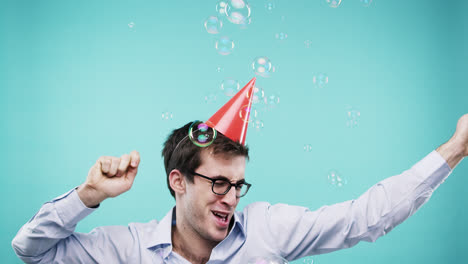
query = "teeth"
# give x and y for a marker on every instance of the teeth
(221, 215)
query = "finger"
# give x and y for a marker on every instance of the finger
(135, 158)
(131, 173)
(124, 161)
(105, 164)
(114, 166)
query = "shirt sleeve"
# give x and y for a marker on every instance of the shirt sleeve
(49, 236)
(298, 232)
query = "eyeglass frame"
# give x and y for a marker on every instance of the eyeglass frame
(213, 181)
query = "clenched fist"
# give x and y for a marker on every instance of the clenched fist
(109, 177)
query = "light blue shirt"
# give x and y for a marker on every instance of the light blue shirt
(260, 229)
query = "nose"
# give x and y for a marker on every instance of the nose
(230, 197)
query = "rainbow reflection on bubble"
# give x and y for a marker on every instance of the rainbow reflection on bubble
(224, 45)
(201, 134)
(238, 11)
(333, 3)
(213, 25)
(336, 179)
(246, 113)
(262, 66)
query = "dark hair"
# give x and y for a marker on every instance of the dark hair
(181, 153)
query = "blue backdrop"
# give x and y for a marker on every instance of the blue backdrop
(83, 79)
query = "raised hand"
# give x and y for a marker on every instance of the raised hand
(461, 134)
(109, 177)
(454, 150)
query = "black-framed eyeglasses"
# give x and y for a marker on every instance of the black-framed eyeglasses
(221, 186)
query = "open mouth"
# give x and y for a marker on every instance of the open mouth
(220, 216)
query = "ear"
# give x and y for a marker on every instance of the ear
(177, 181)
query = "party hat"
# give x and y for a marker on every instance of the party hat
(233, 118)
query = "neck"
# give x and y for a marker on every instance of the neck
(188, 244)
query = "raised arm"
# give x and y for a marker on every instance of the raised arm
(298, 232)
(49, 236)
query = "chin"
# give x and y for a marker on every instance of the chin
(218, 236)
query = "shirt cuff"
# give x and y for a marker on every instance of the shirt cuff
(71, 209)
(435, 168)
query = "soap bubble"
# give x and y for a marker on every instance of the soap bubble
(258, 96)
(210, 98)
(333, 3)
(237, 11)
(221, 8)
(366, 3)
(273, 101)
(320, 80)
(269, 6)
(257, 124)
(307, 148)
(262, 66)
(224, 45)
(167, 116)
(307, 43)
(270, 259)
(158, 256)
(131, 25)
(247, 113)
(336, 179)
(230, 87)
(213, 25)
(281, 36)
(201, 134)
(353, 116)
(307, 260)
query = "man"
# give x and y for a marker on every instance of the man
(207, 183)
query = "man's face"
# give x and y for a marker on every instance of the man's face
(202, 207)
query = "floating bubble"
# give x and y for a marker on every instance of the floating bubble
(307, 260)
(281, 36)
(257, 124)
(245, 23)
(230, 87)
(352, 117)
(131, 25)
(221, 8)
(258, 96)
(320, 80)
(307, 43)
(269, 259)
(158, 256)
(224, 45)
(210, 98)
(270, 6)
(167, 116)
(262, 66)
(201, 134)
(366, 3)
(336, 179)
(219, 69)
(333, 3)
(213, 25)
(307, 148)
(273, 101)
(237, 11)
(247, 113)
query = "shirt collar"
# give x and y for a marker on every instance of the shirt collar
(161, 236)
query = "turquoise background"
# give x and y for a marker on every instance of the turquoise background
(76, 83)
